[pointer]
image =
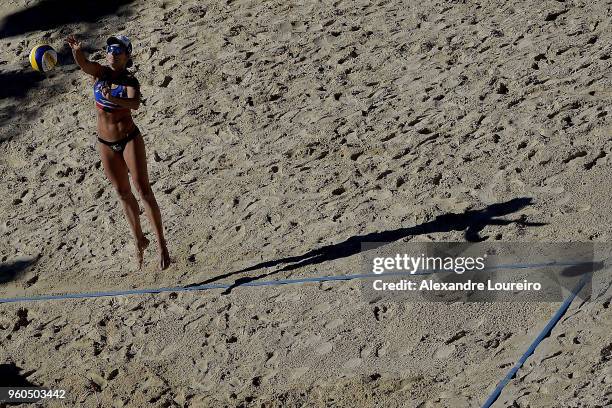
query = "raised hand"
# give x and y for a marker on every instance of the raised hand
(92, 68)
(73, 43)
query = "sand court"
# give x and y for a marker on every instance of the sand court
(280, 138)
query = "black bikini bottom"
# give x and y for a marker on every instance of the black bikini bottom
(119, 145)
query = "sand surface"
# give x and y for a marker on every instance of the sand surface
(278, 128)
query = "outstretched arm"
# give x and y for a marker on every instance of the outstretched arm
(90, 67)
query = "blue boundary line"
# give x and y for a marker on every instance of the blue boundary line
(536, 342)
(278, 282)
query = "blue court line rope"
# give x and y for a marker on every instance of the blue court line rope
(543, 334)
(278, 282)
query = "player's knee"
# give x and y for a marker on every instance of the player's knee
(144, 190)
(123, 193)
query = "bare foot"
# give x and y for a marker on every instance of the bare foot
(164, 258)
(140, 248)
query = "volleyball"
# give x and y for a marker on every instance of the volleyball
(43, 58)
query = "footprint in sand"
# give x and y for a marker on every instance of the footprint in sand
(298, 372)
(366, 351)
(313, 339)
(321, 308)
(444, 351)
(334, 323)
(324, 348)
(352, 363)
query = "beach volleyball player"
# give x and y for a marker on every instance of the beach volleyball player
(121, 146)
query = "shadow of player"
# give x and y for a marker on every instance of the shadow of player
(471, 222)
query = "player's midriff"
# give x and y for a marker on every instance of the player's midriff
(115, 125)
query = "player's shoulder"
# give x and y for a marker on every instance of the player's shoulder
(125, 78)
(105, 73)
(130, 79)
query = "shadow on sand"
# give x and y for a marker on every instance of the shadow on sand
(471, 222)
(13, 270)
(16, 84)
(50, 14)
(11, 376)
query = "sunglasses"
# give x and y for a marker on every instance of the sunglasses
(114, 49)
